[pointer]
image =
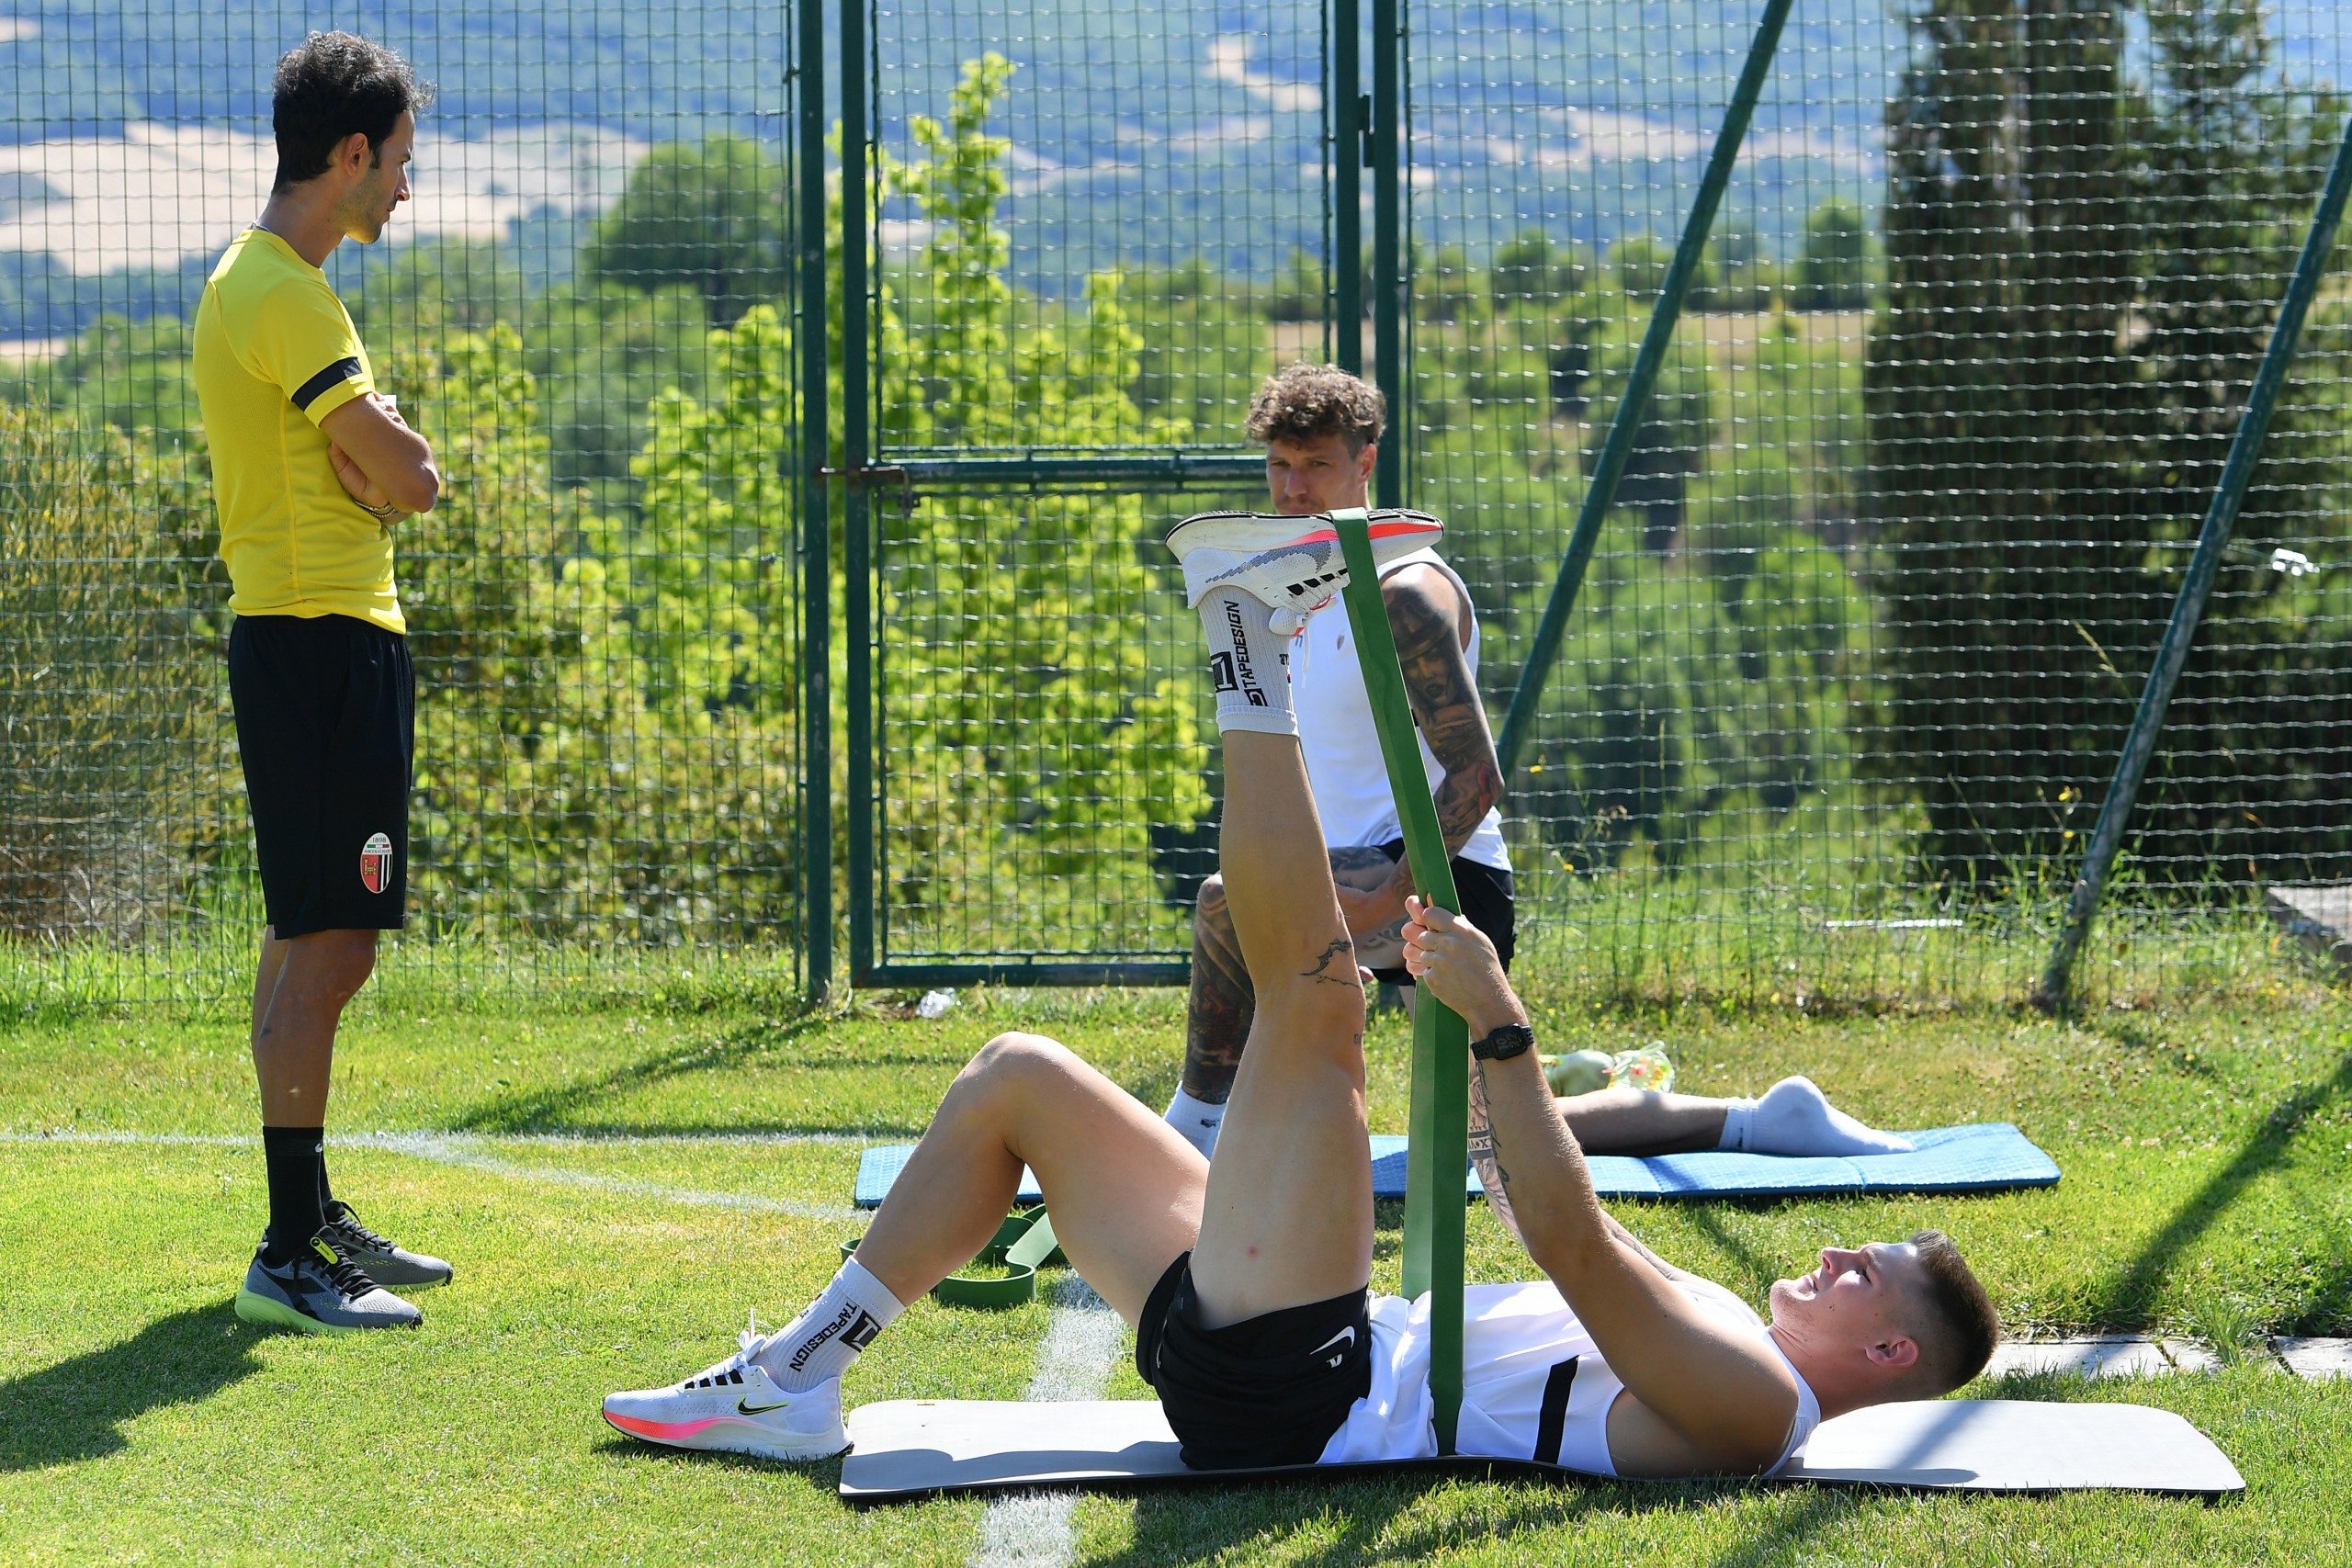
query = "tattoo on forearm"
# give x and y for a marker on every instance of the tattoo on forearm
(1486, 1158)
(1445, 701)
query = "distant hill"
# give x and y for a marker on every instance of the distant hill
(1141, 133)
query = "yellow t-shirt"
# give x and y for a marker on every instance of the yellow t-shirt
(276, 353)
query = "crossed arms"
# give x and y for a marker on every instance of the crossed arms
(1705, 1396)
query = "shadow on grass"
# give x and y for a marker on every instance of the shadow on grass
(76, 1410)
(2126, 1302)
(550, 1109)
(825, 1476)
(1361, 1518)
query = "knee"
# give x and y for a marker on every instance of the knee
(1210, 911)
(1014, 1059)
(349, 960)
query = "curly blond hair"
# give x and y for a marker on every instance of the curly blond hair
(1306, 402)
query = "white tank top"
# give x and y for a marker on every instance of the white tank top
(1533, 1384)
(1342, 749)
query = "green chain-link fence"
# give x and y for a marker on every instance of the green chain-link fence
(1835, 703)
(588, 308)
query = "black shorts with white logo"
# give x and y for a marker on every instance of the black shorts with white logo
(1489, 902)
(1268, 1390)
(326, 729)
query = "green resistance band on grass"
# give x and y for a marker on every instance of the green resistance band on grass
(1439, 1121)
(1023, 1244)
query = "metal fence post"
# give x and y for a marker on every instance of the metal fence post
(816, 522)
(2188, 608)
(857, 568)
(1618, 446)
(1387, 262)
(1437, 1153)
(1347, 188)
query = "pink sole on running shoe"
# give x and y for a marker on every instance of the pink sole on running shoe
(669, 1431)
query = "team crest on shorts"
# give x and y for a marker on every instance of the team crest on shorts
(376, 863)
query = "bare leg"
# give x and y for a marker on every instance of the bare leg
(1287, 1216)
(310, 980)
(1122, 1188)
(1642, 1122)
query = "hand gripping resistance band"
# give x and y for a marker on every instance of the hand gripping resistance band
(1439, 1121)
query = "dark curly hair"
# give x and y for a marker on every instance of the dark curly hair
(336, 84)
(1306, 402)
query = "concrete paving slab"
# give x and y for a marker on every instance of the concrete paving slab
(2315, 1358)
(2319, 918)
(2116, 1354)
(2188, 1356)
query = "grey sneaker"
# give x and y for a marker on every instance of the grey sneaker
(1290, 565)
(384, 1261)
(320, 1291)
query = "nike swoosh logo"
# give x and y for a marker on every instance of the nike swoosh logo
(746, 1408)
(1343, 1339)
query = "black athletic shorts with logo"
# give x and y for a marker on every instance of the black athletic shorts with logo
(1487, 900)
(327, 727)
(1268, 1390)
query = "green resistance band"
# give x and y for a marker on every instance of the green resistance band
(1439, 1121)
(1023, 1244)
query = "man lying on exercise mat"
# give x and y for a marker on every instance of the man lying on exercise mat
(1245, 1277)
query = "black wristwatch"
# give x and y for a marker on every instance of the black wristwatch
(1509, 1040)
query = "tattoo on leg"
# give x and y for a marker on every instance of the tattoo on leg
(1328, 969)
(1217, 1021)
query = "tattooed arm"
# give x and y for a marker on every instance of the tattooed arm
(1482, 1155)
(1430, 622)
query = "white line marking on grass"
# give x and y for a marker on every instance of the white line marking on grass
(1083, 1343)
(508, 1139)
(450, 1152)
(467, 1151)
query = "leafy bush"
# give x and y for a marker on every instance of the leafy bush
(102, 687)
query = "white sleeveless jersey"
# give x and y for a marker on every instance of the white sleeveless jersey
(1342, 749)
(1533, 1384)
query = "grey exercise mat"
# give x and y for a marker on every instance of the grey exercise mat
(908, 1449)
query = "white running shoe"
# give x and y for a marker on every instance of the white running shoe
(1290, 565)
(734, 1408)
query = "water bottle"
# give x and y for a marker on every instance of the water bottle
(1645, 1068)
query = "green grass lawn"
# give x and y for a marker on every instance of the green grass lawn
(611, 1226)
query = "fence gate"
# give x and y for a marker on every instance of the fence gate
(1076, 225)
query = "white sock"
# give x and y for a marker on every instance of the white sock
(1795, 1118)
(826, 1339)
(1197, 1119)
(1248, 664)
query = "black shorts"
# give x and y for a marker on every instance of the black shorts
(327, 727)
(1269, 1391)
(1487, 903)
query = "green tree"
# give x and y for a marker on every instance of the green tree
(1834, 266)
(1034, 731)
(709, 214)
(2082, 273)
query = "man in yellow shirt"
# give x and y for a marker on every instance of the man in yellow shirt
(311, 470)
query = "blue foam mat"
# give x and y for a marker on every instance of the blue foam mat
(1986, 1158)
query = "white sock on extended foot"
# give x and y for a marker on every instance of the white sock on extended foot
(826, 1339)
(1197, 1120)
(1795, 1118)
(1248, 664)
